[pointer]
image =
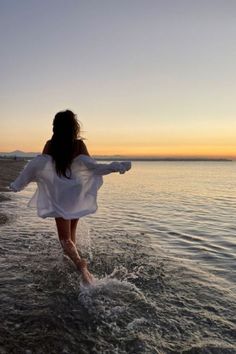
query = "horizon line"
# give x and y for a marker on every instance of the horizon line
(21, 153)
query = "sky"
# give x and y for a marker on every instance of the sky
(145, 77)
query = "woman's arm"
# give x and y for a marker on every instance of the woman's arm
(115, 166)
(105, 168)
(27, 175)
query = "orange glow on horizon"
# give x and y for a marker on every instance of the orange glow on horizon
(142, 151)
(220, 151)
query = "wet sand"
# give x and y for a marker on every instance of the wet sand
(9, 170)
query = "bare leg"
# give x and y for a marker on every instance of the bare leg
(73, 225)
(64, 233)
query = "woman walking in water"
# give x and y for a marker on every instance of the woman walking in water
(67, 183)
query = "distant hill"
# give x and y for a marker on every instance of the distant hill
(19, 153)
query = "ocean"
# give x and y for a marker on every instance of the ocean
(162, 247)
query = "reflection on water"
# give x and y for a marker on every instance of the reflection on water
(189, 207)
(162, 249)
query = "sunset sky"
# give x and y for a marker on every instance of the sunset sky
(146, 77)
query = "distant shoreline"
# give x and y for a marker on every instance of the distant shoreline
(122, 158)
(161, 159)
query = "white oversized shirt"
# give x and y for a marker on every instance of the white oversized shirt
(62, 197)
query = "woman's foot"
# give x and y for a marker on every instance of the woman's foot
(87, 277)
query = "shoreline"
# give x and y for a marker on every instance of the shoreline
(125, 158)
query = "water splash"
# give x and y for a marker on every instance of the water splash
(83, 239)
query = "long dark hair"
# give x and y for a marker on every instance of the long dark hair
(66, 130)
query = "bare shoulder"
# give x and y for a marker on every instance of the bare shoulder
(81, 148)
(46, 147)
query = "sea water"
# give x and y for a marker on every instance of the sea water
(162, 248)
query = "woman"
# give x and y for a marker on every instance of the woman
(68, 180)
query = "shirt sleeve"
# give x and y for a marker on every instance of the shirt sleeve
(105, 168)
(27, 175)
